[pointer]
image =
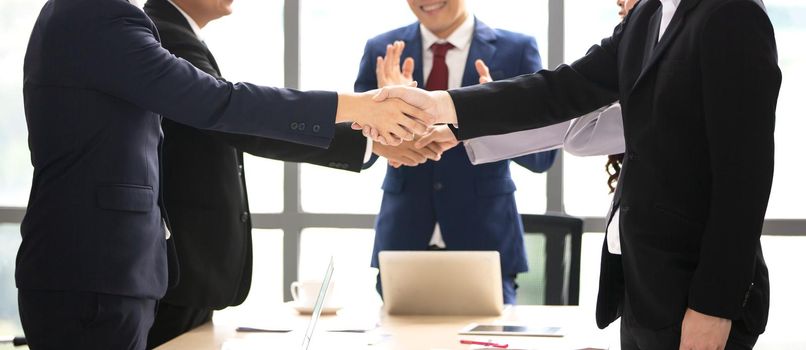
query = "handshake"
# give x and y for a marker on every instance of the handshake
(400, 118)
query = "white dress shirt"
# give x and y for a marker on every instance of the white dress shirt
(455, 59)
(612, 232)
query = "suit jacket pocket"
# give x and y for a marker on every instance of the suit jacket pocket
(392, 184)
(493, 187)
(679, 215)
(125, 197)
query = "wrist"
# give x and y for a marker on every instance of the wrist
(446, 111)
(349, 106)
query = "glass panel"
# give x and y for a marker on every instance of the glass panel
(785, 260)
(531, 194)
(17, 17)
(585, 186)
(248, 46)
(318, 18)
(789, 19)
(267, 275)
(585, 181)
(523, 16)
(9, 314)
(352, 251)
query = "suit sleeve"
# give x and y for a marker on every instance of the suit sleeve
(132, 65)
(740, 83)
(530, 63)
(543, 98)
(345, 152)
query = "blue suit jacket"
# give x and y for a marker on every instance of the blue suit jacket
(474, 205)
(96, 81)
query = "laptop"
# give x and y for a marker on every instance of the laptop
(441, 282)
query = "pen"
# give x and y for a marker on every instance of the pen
(16, 341)
(484, 343)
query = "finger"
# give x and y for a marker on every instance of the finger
(482, 68)
(425, 140)
(398, 132)
(415, 157)
(408, 68)
(355, 126)
(380, 74)
(373, 133)
(484, 72)
(396, 53)
(428, 153)
(391, 61)
(418, 121)
(382, 95)
(436, 148)
(366, 131)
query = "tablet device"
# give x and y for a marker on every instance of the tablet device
(502, 329)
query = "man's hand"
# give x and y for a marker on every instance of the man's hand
(439, 137)
(703, 332)
(407, 154)
(388, 71)
(484, 72)
(392, 120)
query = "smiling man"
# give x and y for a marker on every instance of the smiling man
(451, 204)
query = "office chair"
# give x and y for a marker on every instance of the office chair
(554, 248)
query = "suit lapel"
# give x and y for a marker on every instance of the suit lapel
(481, 47)
(676, 24)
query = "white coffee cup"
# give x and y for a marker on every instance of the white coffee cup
(306, 292)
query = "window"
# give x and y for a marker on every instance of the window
(788, 190)
(585, 182)
(338, 72)
(9, 315)
(351, 250)
(248, 46)
(17, 18)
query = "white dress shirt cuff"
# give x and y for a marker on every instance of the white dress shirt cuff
(368, 152)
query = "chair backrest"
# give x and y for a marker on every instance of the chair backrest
(562, 250)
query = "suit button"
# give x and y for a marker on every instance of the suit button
(301, 126)
(294, 126)
(438, 186)
(316, 128)
(244, 217)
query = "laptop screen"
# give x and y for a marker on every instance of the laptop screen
(317, 307)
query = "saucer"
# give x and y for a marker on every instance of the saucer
(308, 309)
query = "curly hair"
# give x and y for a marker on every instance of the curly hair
(614, 162)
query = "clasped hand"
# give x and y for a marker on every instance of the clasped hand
(396, 82)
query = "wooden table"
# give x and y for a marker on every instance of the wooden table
(415, 332)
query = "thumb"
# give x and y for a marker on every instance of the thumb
(483, 70)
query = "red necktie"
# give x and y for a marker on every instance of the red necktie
(438, 79)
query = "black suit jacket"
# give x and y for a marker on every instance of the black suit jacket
(205, 193)
(96, 81)
(699, 114)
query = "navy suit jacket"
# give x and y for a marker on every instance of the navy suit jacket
(96, 82)
(474, 205)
